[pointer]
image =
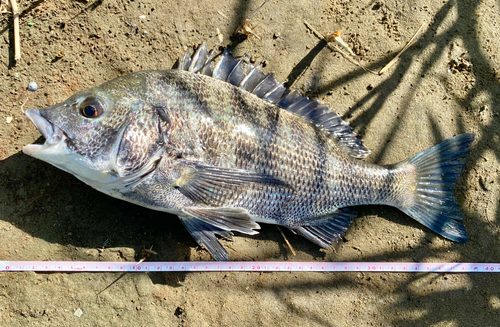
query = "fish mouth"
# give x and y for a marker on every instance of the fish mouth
(53, 135)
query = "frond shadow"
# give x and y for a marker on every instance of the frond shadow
(483, 244)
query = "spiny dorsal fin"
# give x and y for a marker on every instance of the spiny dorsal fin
(252, 79)
(200, 62)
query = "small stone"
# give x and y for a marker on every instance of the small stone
(142, 17)
(145, 33)
(32, 86)
(78, 312)
(8, 120)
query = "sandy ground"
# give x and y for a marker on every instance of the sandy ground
(446, 84)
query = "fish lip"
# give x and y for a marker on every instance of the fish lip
(53, 134)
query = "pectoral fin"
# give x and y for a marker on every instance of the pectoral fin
(213, 186)
(204, 223)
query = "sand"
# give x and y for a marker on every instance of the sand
(444, 85)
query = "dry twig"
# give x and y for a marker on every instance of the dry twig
(412, 40)
(222, 14)
(17, 42)
(260, 7)
(334, 47)
(220, 36)
(146, 253)
(247, 29)
(286, 241)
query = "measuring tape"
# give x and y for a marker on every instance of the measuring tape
(264, 266)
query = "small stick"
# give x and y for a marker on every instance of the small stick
(292, 86)
(335, 48)
(410, 43)
(230, 247)
(17, 43)
(257, 10)
(320, 36)
(286, 241)
(245, 28)
(22, 106)
(112, 283)
(146, 253)
(220, 36)
(222, 14)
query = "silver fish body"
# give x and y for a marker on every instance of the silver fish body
(228, 148)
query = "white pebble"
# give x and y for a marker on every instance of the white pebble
(78, 312)
(142, 17)
(8, 120)
(32, 86)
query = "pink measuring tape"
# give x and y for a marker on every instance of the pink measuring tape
(265, 266)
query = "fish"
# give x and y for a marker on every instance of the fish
(226, 148)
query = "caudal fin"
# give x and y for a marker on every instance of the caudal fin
(437, 170)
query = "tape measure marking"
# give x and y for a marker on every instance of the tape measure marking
(263, 266)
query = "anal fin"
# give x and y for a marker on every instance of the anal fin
(328, 230)
(205, 223)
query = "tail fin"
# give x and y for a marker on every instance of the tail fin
(434, 204)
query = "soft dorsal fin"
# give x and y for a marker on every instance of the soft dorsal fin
(252, 79)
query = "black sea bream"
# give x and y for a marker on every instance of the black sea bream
(227, 147)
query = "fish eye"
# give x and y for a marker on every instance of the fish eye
(91, 108)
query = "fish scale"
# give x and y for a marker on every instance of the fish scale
(228, 148)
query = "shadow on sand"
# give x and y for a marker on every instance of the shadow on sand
(60, 209)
